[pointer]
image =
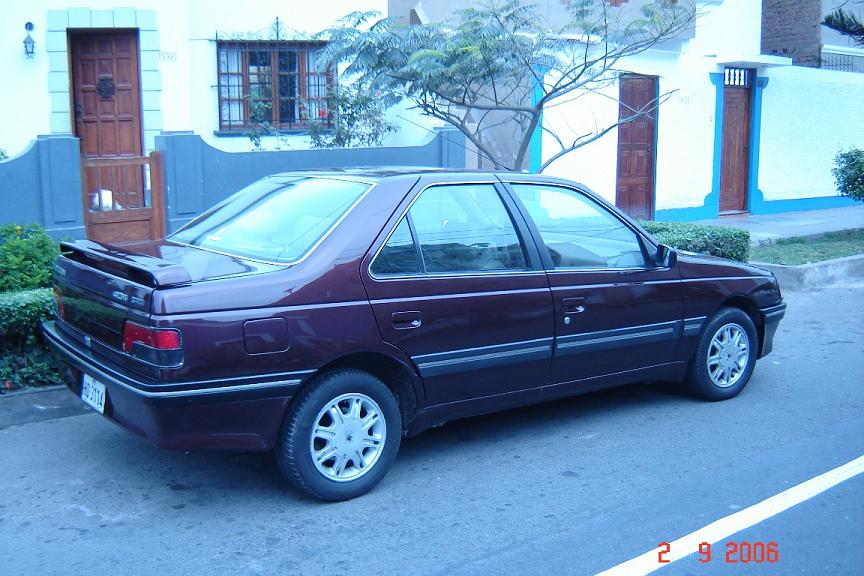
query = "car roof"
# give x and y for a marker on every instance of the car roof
(375, 173)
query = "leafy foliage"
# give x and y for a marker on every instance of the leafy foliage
(24, 360)
(847, 24)
(359, 120)
(722, 241)
(259, 122)
(848, 173)
(27, 257)
(501, 65)
(3, 155)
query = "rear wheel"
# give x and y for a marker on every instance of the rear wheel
(341, 436)
(725, 357)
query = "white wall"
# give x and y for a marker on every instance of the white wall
(186, 62)
(686, 122)
(808, 115)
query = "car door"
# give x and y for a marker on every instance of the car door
(456, 282)
(618, 316)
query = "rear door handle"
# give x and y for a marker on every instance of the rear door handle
(573, 305)
(406, 320)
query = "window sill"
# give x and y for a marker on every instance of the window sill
(243, 133)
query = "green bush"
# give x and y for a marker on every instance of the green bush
(24, 360)
(848, 173)
(721, 241)
(27, 257)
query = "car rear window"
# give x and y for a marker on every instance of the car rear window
(277, 219)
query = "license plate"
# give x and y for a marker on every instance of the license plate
(93, 393)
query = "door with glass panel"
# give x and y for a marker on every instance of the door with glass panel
(456, 283)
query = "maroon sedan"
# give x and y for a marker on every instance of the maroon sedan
(326, 315)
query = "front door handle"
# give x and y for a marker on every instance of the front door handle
(406, 320)
(573, 305)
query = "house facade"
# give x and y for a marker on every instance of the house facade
(740, 130)
(126, 117)
(127, 121)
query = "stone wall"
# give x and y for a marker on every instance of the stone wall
(792, 28)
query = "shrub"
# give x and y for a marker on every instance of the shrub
(721, 241)
(27, 257)
(3, 155)
(358, 120)
(24, 360)
(848, 173)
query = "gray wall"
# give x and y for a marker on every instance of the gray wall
(43, 185)
(197, 176)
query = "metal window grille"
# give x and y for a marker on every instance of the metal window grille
(278, 82)
(842, 62)
(742, 77)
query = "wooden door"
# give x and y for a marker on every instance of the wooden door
(634, 190)
(119, 183)
(735, 151)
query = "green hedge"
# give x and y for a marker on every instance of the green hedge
(24, 360)
(722, 241)
(27, 257)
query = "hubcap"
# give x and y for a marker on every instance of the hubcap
(347, 437)
(728, 355)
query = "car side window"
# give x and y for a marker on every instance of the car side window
(459, 228)
(578, 232)
(466, 228)
(398, 257)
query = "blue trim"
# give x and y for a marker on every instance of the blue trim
(711, 206)
(756, 199)
(756, 202)
(536, 146)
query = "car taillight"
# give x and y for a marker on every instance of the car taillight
(58, 303)
(158, 346)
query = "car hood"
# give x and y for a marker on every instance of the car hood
(695, 265)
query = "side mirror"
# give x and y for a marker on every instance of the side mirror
(666, 257)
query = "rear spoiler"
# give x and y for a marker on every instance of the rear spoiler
(138, 268)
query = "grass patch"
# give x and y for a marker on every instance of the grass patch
(798, 250)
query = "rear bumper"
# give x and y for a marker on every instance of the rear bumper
(771, 317)
(227, 414)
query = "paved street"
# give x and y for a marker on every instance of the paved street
(573, 487)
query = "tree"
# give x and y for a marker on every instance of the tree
(500, 65)
(358, 120)
(846, 23)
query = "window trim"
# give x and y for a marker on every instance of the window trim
(272, 47)
(549, 266)
(503, 195)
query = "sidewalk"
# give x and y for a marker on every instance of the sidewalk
(767, 228)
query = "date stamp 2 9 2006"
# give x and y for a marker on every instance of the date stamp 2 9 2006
(736, 552)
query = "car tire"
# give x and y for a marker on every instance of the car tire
(725, 356)
(341, 435)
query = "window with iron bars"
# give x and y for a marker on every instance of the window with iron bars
(278, 82)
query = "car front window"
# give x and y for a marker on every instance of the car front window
(278, 219)
(577, 231)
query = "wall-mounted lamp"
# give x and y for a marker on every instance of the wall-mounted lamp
(29, 43)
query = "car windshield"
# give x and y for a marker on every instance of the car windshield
(278, 219)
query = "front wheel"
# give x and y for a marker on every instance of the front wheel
(341, 436)
(725, 356)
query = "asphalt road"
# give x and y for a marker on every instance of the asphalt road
(571, 487)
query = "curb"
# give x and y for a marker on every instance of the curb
(763, 239)
(818, 274)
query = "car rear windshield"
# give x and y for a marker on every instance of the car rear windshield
(278, 219)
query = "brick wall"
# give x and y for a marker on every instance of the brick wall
(791, 28)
